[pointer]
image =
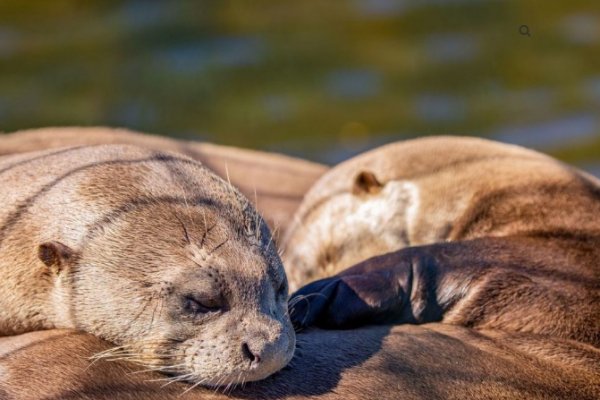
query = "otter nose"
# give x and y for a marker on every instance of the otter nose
(251, 354)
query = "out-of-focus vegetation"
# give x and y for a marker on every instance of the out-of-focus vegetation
(320, 79)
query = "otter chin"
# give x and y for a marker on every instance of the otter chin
(148, 250)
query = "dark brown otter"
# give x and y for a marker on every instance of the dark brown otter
(472, 232)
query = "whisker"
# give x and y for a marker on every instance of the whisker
(206, 231)
(256, 216)
(154, 312)
(219, 383)
(227, 174)
(205, 226)
(298, 298)
(178, 379)
(185, 231)
(219, 246)
(131, 323)
(193, 386)
(271, 238)
(164, 368)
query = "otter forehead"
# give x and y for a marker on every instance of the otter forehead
(154, 174)
(115, 188)
(243, 277)
(178, 237)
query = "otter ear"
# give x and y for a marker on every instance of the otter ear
(366, 183)
(56, 256)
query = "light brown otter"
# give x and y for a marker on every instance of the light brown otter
(407, 362)
(148, 250)
(482, 234)
(275, 183)
(433, 361)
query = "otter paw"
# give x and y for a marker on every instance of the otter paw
(346, 301)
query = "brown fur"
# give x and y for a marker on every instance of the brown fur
(274, 182)
(516, 240)
(466, 188)
(146, 249)
(412, 362)
(434, 361)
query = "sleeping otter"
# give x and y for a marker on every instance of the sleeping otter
(148, 250)
(465, 231)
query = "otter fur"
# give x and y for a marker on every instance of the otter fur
(461, 230)
(274, 183)
(148, 250)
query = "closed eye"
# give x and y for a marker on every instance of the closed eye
(282, 289)
(194, 306)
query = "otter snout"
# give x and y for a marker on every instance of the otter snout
(251, 347)
(267, 348)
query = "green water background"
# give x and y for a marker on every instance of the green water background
(319, 79)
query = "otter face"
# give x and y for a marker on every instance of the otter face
(186, 291)
(342, 230)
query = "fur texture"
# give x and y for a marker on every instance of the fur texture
(273, 182)
(433, 361)
(148, 250)
(494, 236)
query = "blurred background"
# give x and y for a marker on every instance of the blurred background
(318, 79)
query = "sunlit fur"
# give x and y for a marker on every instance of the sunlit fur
(274, 182)
(147, 229)
(432, 189)
(465, 231)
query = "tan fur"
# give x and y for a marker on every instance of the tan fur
(440, 188)
(115, 240)
(496, 237)
(411, 362)
(433, 361)
(274, 182)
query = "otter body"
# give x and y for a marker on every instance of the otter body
(145, 249)
(466, 231)
(433, 361)
(275, 183)
(412, 362)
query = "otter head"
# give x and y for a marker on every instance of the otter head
(337, 228)
(190, 287)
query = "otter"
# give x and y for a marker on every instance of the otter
(413, 362)
(461, 230)
(148, 250)
(274, 183)
(432, 361)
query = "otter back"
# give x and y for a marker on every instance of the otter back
(274, 182)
